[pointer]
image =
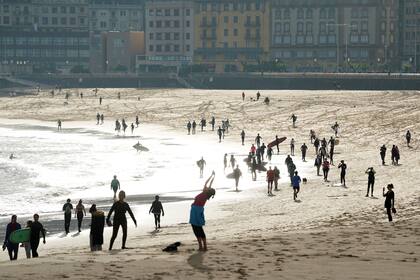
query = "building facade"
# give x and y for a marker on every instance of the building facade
(169, 35)
(231, 35)
(410, 24)
(342, 35)
(46, 34)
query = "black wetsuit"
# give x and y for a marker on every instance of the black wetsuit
(36, 229)
(12, 248)
(389, 201)
(67, 208)
(120, 208)
(371, 182)
(383, 153)
(156, 209)
(343, 167)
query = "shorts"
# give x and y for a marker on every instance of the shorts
(198, 231)
(296, 188)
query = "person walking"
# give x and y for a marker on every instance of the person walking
(296, 185)
(197, 219)
(243, 96)
(194, 125)
(243, 137)
(189, 127)
(383, 153)
(316, 145)
(276, 178)
(232, 161)
(270, 181)
(294, 118)
(12, 248)
(67, 208)
(269, 153)
(237, 174)
(389, 201)
(292, 147)
(79, 213)
(371, 180)
(317, 164)
(27, 244)
(37, 229)
(201, 164)
(115, 186)
(258, 140)
(343, 167)
(220, 134)
(59, 125)
(157, 210)
(212, 122)
(303, 149)
(225, 162)
(325, 169)
(120, 207)
(97, 226)
(408, 137)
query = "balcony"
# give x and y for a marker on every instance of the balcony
(252, 24)
(252, 37)
(208, 37)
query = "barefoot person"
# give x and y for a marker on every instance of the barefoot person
(36, 230)
(79, 213)
(157, 209)
(371, 180)
(96, 229)
(120, 207)
(343, 168)
(67, 209)
(197, 220)
(389, 201)
(12, 248)
(296, 185)
(237, 174)
(115, 185)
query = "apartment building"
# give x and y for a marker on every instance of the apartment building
(341, 35)
(410, 37)
(169, 35)
(231, 35)
(45, 34)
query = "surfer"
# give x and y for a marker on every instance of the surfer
(243, 137)
(201, 163)
(212, 122)
(270, 180)
(383, 153)
(137, 121)
(219, 133)
(197, 219)
(202, 123)
(262, 150)
(389, 201)
(258, 95)
(269, 153)
(189, 127)
(277, 144)
(312, 135)
(276, 178)
(316, 145)
(254, 169)
(232, 161)
(59, 125)
(296, 185)
(96, 228)
(325, 169)
(157, 210)
(408, 137)
(115, 186)
(36, 230)
(27, 244)
(12, 248)
(371, 180)
(343, 168)
(294, 118)
(258, 140)
(194, 125)
(335, 128)
(79, 213)
(303, 149)
(237, 174)
(67, 208)
(120, 207)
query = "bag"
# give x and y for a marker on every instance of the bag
(394, 211)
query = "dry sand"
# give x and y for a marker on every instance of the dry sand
(334, 233)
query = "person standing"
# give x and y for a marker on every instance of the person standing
(292, 147)
(254, 169)
(197, 219)
(243, 96)
(12, 248)
(383, 153)
(270, 180)
(258, 140)
(98, 118)
(96, 229)
(343, 168)
(59, 125)
(232, 161)
(79, 213)
(157, 210)
(296, 185)
(294, 118)
(132, 128)
(243, 137)
(202, 124)
(258, 95)
(303, 149)
(225, 161)
(115, 186)
(276, 178)
(100, 100)
(120, 207)
(325, 169)
(262, 151)
(220, 133)
(67, 208)
(194, 125)
(237, 174)
(36, 230)
(201, 163)
(389, 201)
(371, 180)
(317, 164)
(277, 144)
(213, 122)
(189, 127)
(408, 137)
(102, 118)
(137, 121)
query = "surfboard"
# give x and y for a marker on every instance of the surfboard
(231, 175)
(336, 141)
(275, 142)
(20, 235)
(140, 147)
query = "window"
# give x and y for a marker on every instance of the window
(365, 13)
(176, 48)
(6, 8)
(235, 19)
(158, 24)
(54, 21)
(54, 10)
(354, 13)
(150, 48)
(187, 23)
(331, 39)
(364, 39)
(257, 20)
(151, 13)
(176, 12)
(225, 19)
(213, 21)
(354, 26)
(331, 27)
(187, 12)
(248, 6)
(364, 26)
(102, 24)
(158, 13)
(151, 36)
(72, 21)
(257, 5)
(277, 14)
(44, 20)
(63, 10)
(158, 36)
(187, 36)
(277, 27)
(167, 36)
(225, 32)
(167, 12)
(308, 27)
(204, 7)
(167, 23)
(300, 27)
(323, 14)
(331, 13)
(176, 23)
(82, 21)
(286, 14)
(309, 13)
(6, 20)
(158, 48)
(151, 24)
(225, 7)
(235, 6)
(392, 26)
(176, 36)
(286, 27)
(354, 38)
(300, 13)
(167, 48)
(72, 10)
(187, 48)
(235, 32)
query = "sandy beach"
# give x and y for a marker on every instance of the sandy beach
(333, 233)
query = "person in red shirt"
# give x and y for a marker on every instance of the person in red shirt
(197, 220)
(270, 179)
(253, 149)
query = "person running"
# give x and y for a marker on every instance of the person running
(303, 149)
(157, 210)
(371, 181)
(137, 121)
(408, 137)
(98, 118)
(225, 161)
(243, 137)
(237, 174)
(189, 127)
(194, 125)
(197, 219)
(97, 225)
(270, 180)
(343, 168)
(258, 140)
(79, 213)
(383, 153)
(296, 185)
(36, 230)
(120, 207)
(132, 128)
(294, 118)
(12, 248)
(325, 169)
(220, 134)
(276, 178)
(201, 164)
(232, 161)
(389, 201)
(59, 125)
(67, 209)
(243, 96)
(115, 186)
(269, 153)
(317, 164)
(213, 123)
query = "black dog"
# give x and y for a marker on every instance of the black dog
(172, 248)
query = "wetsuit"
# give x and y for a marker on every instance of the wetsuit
(79, 214)
(120, 208)
(382, 153)
(237, 174)
(156, 209)
(12, 248)
(389, 203)
(97, 231)
(371, 181)
(343, 167)
(243, 137)
(115, 185)
(67, 208)
(36, 229)
(304, 148)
